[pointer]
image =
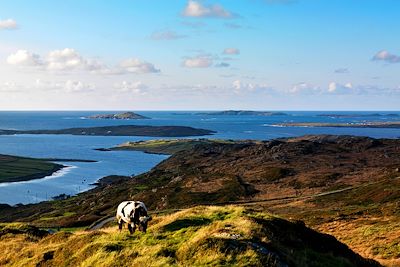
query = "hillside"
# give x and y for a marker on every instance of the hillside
(167, 146)
(336, 184)
(201, 236)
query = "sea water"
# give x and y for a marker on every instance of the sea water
(79, 176)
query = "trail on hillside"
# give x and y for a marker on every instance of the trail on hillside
(99, 224)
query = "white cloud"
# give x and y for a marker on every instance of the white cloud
(198, 62)
(68, 86)
(231, 51)
(196, 9)
(131, 87)
(336, 88)
(8, 24)
(24, 58)
(9, 87)
(78, 87)
(166, 35)
(69, 59)
(304, 88)
(386, 56)
(134, 65)
(240, 87)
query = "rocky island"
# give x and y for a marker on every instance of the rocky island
(243, 113)
(121, 130)
(119, 116)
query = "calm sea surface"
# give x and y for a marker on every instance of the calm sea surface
(79, 176)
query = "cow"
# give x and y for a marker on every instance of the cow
(133, 213)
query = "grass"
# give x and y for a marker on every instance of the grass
(200, 236)
(13, 169)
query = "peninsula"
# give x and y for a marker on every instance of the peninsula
(358, 115)
(167, 146)
(243, 113)
(18, 169)
(388, 124)
(121, 130)
(119, 116)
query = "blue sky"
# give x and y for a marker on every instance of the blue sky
(167, 54)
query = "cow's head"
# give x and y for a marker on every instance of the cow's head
(143, 220)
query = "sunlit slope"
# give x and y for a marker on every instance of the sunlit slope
(200, 236)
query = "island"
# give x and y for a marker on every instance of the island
(392, 124)
(119, 116)
(243, 113)
(18, 169)
(121, 130)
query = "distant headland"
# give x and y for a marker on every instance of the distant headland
(121, 130)
(244, 113)
(389, 124)
(338, 115)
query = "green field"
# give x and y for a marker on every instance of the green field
(15, 169)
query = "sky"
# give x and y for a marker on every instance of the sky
(200, 55)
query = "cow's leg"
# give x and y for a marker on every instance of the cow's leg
(120, 223)
(131, 228)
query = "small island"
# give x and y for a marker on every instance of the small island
(121, 130)
(18, 169)
(243, 113)
(119, 116)
(393, 124)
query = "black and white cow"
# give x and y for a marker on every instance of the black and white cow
(134, 213)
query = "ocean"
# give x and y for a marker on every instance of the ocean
(79, 176)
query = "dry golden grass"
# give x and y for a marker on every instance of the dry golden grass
(176, 239)
(200, 236)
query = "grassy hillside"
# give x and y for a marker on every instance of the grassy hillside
(201, 236)
(168, 147)
(15, 169)
(299, 178)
